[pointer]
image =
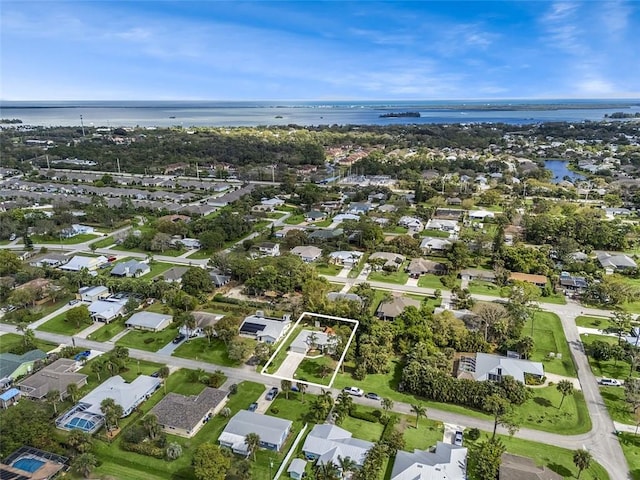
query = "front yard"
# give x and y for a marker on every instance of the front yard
(148, 341)
(9, 342)
(399, 277)
(200, 349)
(548, 337)
(611, 368)
(59, 324)
(316, 370)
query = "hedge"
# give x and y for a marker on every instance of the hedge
(144, 448)
(366, 416)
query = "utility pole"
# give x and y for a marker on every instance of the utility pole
(48, 166)
(82, 125)
(118, 162)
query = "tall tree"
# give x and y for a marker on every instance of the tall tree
(164, 373)
(79, 441)
(285, 386)
(72, 391)
(53, 397)
(151, 425)
(387, 404)
(252, 441)
(84, 464)
(565, 387)
(210, 463)
(487, 456)
(622, 324)
(346, 465)
(419, 411)
(582, 459)
(302, 387)
(500, 408)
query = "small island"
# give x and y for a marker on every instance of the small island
(621, 115)
(400, 115)
(10, 120)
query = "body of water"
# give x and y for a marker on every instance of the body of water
(187, 114)
(560, 171)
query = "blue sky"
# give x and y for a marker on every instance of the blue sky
(189, 50)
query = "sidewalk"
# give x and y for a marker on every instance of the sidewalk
(119, 336)
(89, 330)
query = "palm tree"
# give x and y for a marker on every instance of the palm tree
(174, 451)
(346, 465)
(301, 387)
(84, 464)
(387, 404)
(252, 441)
(72, 391)
(419, 411)
(164, 374)
(53, 396)
(285, 386)
(28, 339)
(150, 424)
(327, 471)
(582, 460)
(96, 367)
(80, 441)
(209, 331)
(565, 387)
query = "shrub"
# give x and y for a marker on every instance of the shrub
(473, 434)
(145, 448)
(149, 340)
(366, 416)
(275, 410)
(134, 434)
(233, 389)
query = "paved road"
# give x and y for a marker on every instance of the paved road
(601, 440)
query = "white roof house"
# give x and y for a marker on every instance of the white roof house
(79, 262)
(328, 442)
(130, 268)
(272, 431)
(435, 244)
(265, 329)
(308, 253)
(411, 223)
(487, 366)
(149, 321)
(306, 338)
(480, 214)
(91, 294)
(105, 311)
(345, 257)
(448, 462)
(616, 262)
(127, 395)
(443, 225)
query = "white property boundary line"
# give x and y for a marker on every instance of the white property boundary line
(292, 329)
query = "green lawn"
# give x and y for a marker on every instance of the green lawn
(378, 297)
(84, 237)
(11, 341)
(433, 281)
(395, 229)
(59, 324)
(328, 269)
(310, 369)
(200, 349)
(108, 331)
(607, 368)
(323, 223)
(428, 433)
(295, 219)
(362, 429)
(130, 372)
(167, 253)
(104, 242)
(548, 336)
(479, 287)
(201, 254)
(619, 409)
(158, 268)
(355, 271)
(139, 339)
(601, 323)
(434, 233)
(631, 448)
(556, 299)
(398, 277)
(132, 466)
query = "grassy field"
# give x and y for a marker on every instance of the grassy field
(601, 323)
(479, 287)
(11, 341)
(108, 331)
(201, 254)
(620, 369)
(167, 253)
(104, 242)
(398, 277)
(548, 336)
(363, 430)
(434, 233)
(200, 349)
(140, 339)
(294, 219)
(631, 448)
(328, 269)
(158, 268)
(83, 237)
(322, 223)
(619, 409)
(433, 281)
(311, 369)
(59, 324)
(395, 229)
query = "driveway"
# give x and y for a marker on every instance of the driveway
(450, 430)
(169, 348)
(290, 365)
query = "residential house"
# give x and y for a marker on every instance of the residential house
(265, 329)
(285, 230)
(342, 217)
(203, 320)
(54, 377)
(486, 366)
(616, 262)
(471, 274)
(358, 208)
(87, 415)
(537, 280)
(273, 431)
(314, 216)
(41, 288)
(270, 204)
(308, 253)
(480, 215)
(184, 415)
(14, 366)
(218, 279)
(92, 294)
(76, 230)
(297, 468)
(328, 443)
(389, 310)
(515, 467)
(106, 310)
(612, 213)
(345, 258)
(447, 462)
(188, 243)
(308, 339)
(269, 249)
(130, 268)
(48, 259)
(449, 226)
(421, 266)
(9, 397)
(78, 262)
(412, 223)
(149, 321)
(454, 201)
(323, 235)
(573, 284)
(387, 208)
(392, 261)
(434, 244)
(350, 297)
(174, 274)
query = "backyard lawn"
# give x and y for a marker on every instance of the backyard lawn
(157, 268)
(548, 337)
(148, 341)
(362, 429)
(11, 341)
(59, 324)
(200, 349)
(631, 449)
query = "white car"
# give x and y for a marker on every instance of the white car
(355, 391)
(610, 382)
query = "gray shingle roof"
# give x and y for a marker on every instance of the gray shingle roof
(180, 411)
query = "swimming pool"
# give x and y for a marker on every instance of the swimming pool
(81, 424)
(28, 464)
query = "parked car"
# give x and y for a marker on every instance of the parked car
(271, 394)
(156, 374)
(373, 396)
(12, 237)
(179, 338)
(112, 259)
(457, 438)
(253, 407)
(610, 382)
(355, 391)
(82, 355)
(74, 301)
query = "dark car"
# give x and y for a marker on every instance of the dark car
(271, 394)
(373, 396)
(457, 438)
(179, 338)
(253, 407)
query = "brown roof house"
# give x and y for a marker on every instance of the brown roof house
(393, 308)
(420, 266)
(185, 416)
(55, 377)
(537, 280)
(514, 467)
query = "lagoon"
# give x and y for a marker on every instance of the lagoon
(560, 170)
